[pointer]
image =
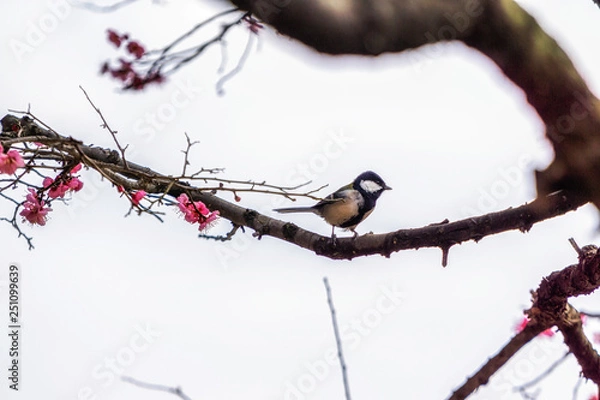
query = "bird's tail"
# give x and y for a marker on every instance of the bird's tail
(295, 210)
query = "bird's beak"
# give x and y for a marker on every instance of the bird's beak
(386, 187)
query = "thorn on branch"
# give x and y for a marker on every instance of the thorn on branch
(575, 246)
(445, 251)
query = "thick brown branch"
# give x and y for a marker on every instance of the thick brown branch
(551, 305)
(442, 235)
(578, 343)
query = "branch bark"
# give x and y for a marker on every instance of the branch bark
(551, 308)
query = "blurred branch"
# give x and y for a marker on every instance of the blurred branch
(141, 68)
(152, 386)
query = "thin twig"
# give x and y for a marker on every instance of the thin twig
(544, 374)
(152, 386)
(107, 127)
(222, 238)
(576, 387)
(238, 67)
(590, 315)
(338, 341)
(186, 153)
(189, 33)
(575, 246)
(180, 58)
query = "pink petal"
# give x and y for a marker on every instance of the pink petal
(47, 182)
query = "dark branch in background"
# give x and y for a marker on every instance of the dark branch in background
(136, 177)
(338, 340)
(550, 308)
(152, 386)
(501, 30)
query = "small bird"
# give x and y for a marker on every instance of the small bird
(349, 205)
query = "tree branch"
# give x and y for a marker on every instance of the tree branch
(482, 376)
(551, 304)
(550, 308)
(442, 235)
(153, 386)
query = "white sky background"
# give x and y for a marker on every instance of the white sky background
(249, 318)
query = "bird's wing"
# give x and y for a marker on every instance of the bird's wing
(339, 194)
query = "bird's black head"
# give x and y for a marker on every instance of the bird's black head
(370, 184)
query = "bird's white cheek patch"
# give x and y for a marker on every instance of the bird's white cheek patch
(370, 186)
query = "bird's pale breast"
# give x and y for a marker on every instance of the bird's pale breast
(340, 211)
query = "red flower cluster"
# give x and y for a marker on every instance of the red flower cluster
(196, 212)
(63, 183)
(10, 161)
(34, 209)
(125, 71)
(133, 47)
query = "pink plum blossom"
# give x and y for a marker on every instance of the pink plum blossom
(10, 161)
(136, 197)
(196, 212)
(34, 209)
